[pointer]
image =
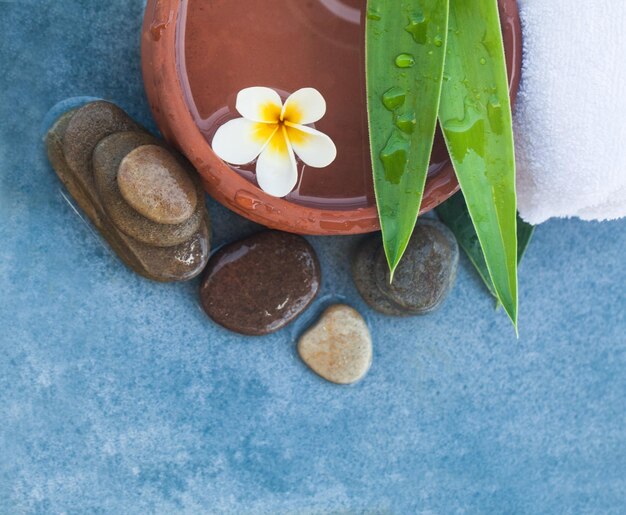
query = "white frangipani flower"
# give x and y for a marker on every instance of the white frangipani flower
(273, 132)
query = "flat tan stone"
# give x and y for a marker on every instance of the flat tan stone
(339, 346)
(154, 183)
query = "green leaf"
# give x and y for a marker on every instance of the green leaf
(453, 212)
(475, 115)
(525, 233)
(405, 51)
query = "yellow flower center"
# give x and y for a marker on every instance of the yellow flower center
(292, 114)
(279, 126)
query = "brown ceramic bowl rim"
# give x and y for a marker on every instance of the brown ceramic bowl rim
(165, 94)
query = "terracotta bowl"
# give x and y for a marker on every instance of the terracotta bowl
(197, 55)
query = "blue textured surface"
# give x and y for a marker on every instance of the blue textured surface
(117, 395)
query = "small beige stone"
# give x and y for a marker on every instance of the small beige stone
(339, 346)
(154, 183)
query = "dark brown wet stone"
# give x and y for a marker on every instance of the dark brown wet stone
(155, 184)
(107, 157)
(258, 285)
(89, 125)
(178, 263)
(423, 278)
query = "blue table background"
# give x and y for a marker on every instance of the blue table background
(118, 395)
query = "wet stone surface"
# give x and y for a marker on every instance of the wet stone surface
(107, 158)
(339, 346)
(88, 126)
(154, 183)
(162, 252)
(423, 278)
(258, 285)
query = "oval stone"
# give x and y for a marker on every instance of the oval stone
(88, 125)
(259, 284)
(423, 278)
(107, 157)
(154, 183)
(363, 273)
(339, 346)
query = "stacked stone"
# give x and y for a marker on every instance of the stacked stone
(144, 198)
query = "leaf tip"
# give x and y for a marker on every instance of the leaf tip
(393, 264)
(394, 250)
(511, 311)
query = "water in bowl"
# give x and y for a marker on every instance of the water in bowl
(225, 46)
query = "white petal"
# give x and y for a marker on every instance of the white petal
(240, 141)
(304, 106)
(259, 104)
(276, 168)
(313, 147)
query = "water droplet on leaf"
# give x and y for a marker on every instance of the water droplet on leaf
(418, 28)
(373, 14)
(469, 134)
(405, 61)
(395, 157)
(394, 98)
(406, 122)
(494, 113)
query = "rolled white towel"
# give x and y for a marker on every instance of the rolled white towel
(570, 119)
